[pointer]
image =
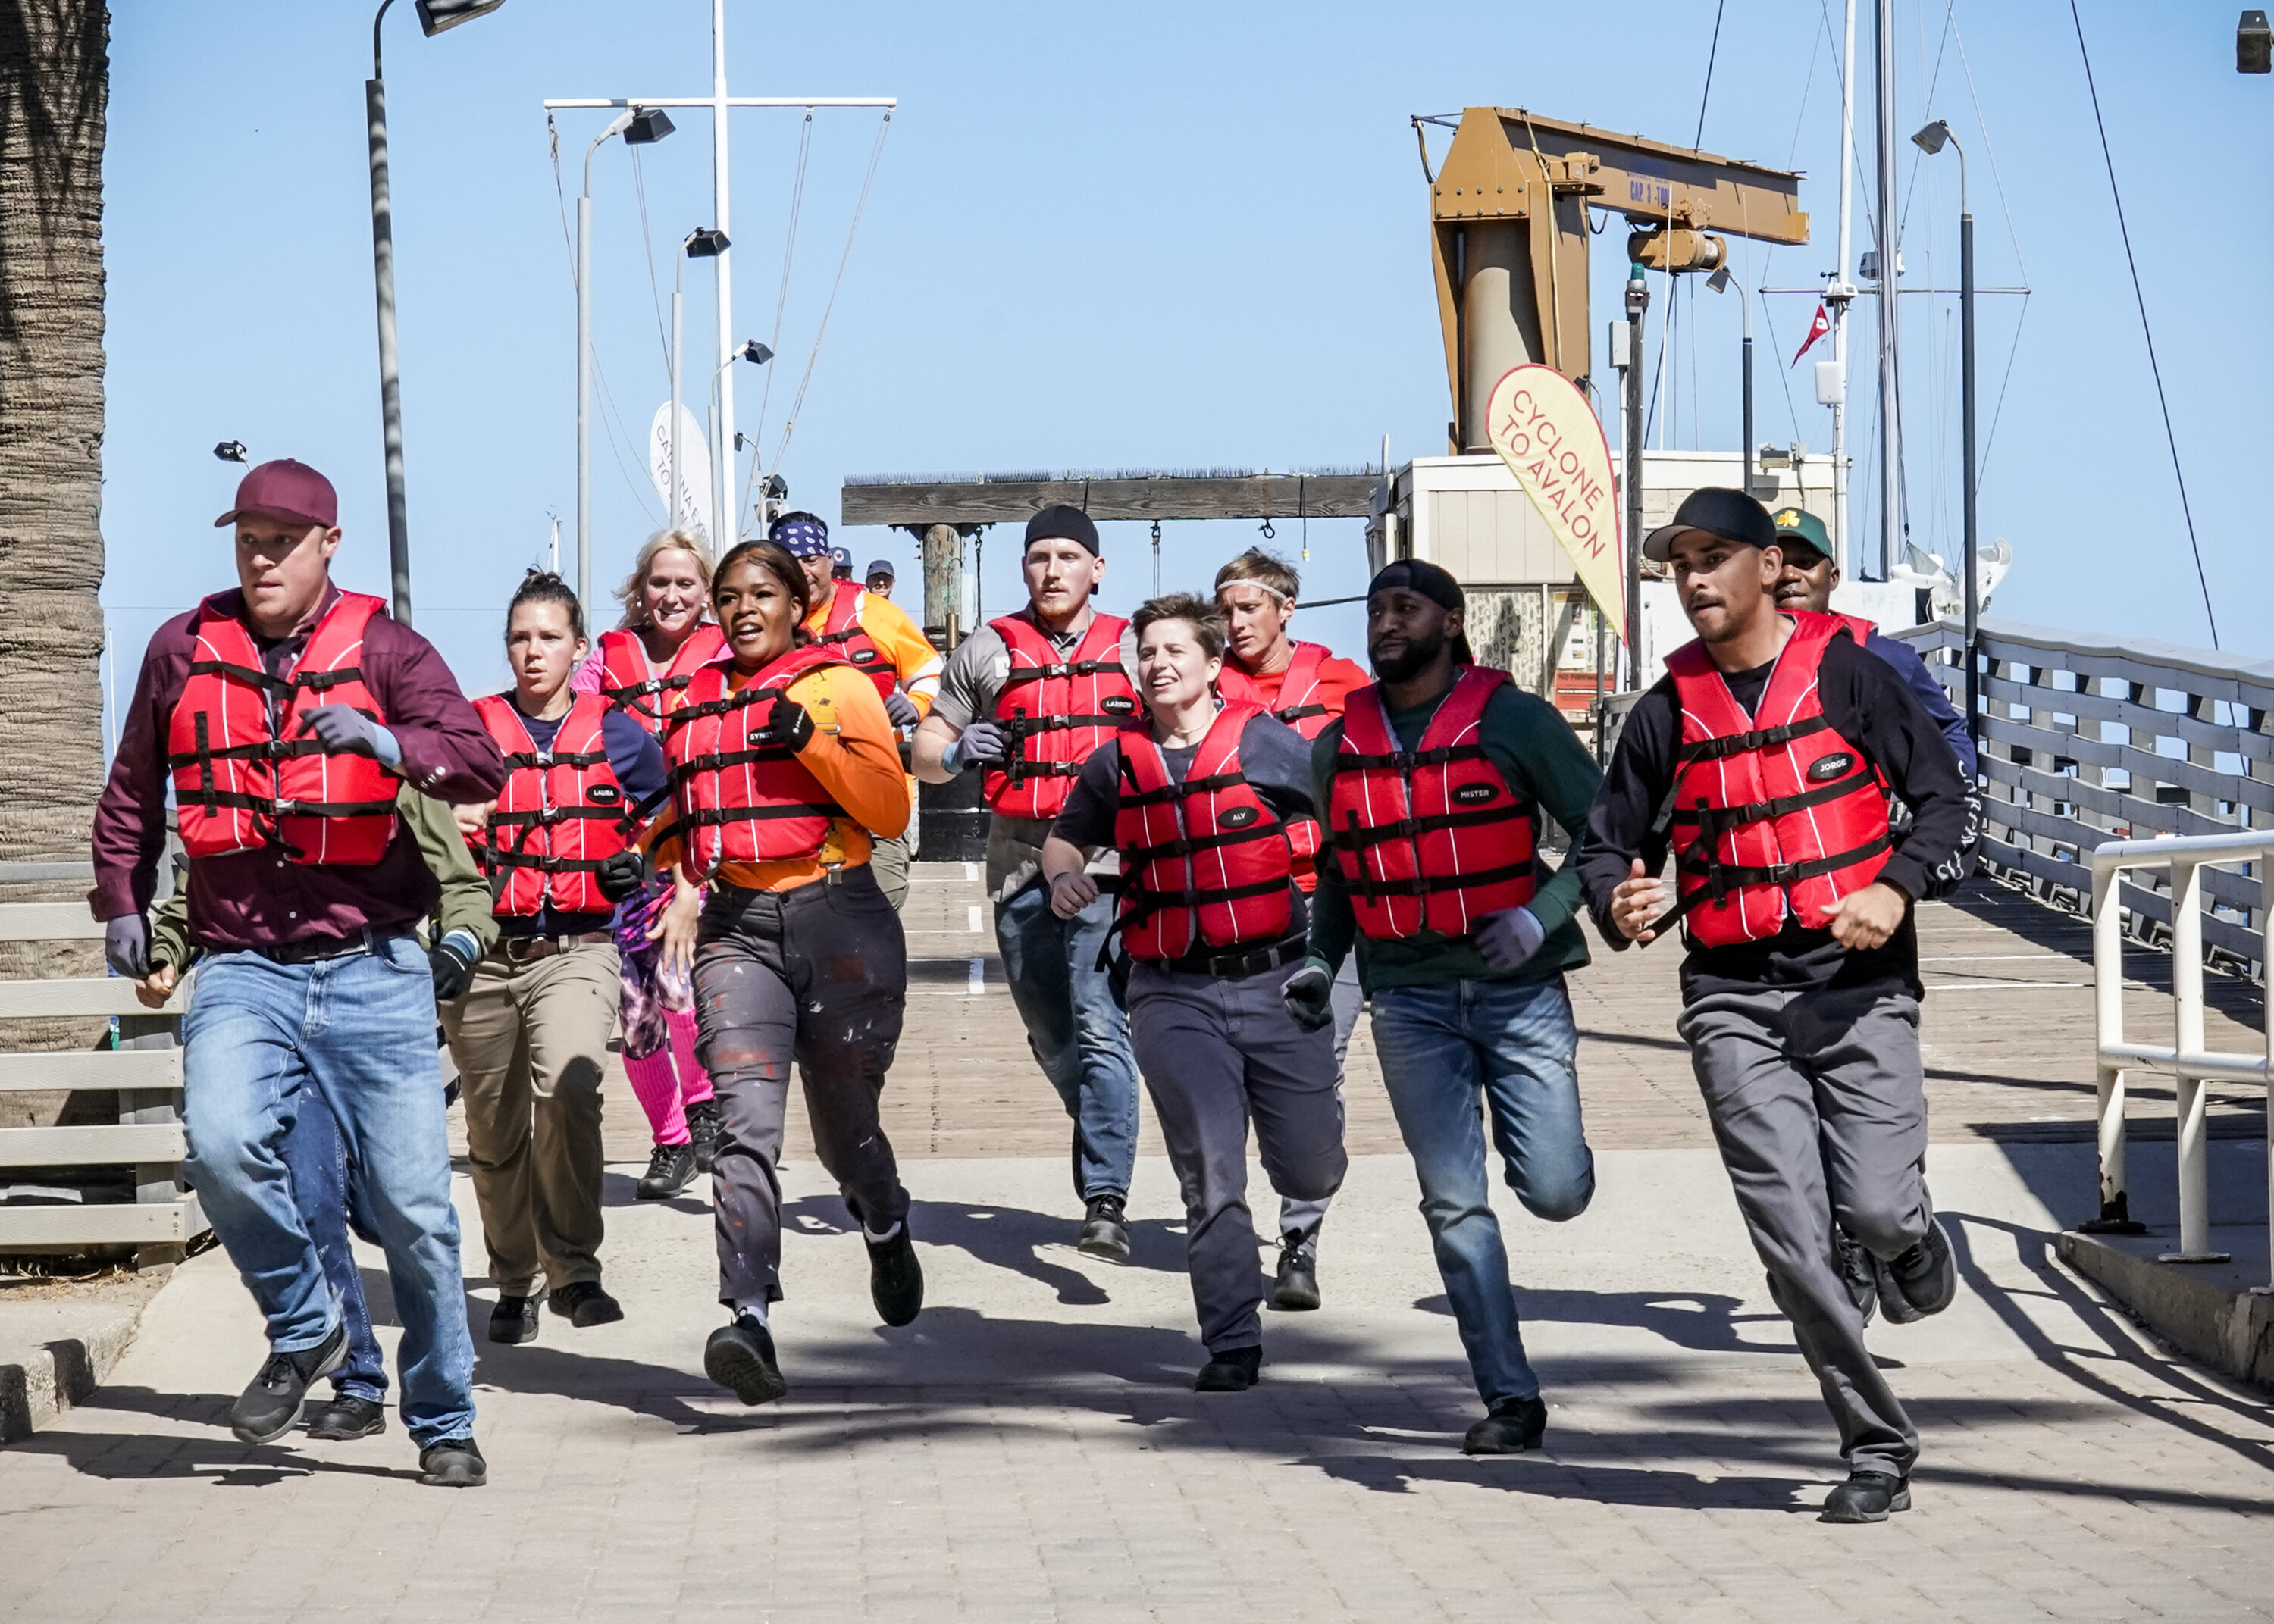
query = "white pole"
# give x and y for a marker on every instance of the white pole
(671, 424)
(1845, 287)
(1891, 445)
(722, 429)
(585, 386)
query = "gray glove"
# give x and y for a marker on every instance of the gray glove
(343, 730)
(1308, 995)
(1508, 938)
(901, 710)
(982, 741)
(126, 945)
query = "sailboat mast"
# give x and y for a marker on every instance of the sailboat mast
(1841, 293)
(1891, 464)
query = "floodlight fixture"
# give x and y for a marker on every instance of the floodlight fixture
(230, 451)
(1931, 138)
(1719, 280)
(706, 243)
(755, 352)
(434, 16)
(647, 126)
(2254, 44)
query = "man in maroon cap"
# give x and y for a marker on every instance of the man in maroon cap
(287, 714)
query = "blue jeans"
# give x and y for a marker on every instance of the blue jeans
(358, 1030)
(1515, 1043)
(318, 1165)
(1077, 1026)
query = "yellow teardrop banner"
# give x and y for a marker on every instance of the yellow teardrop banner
(1549, 437)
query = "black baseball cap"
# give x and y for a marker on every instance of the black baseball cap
(1718, 511)
(1060, 523)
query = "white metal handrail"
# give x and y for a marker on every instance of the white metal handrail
(2185, 1059)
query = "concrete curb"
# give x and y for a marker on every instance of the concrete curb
(2206, 1315)
(42, 1374)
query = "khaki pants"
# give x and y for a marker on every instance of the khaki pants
(531, 1041)
(888, 855)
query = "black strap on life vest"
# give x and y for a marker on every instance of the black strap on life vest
(1759, 739)
(1400, 762)
(1293, 714)
(542, 759)
(314, 681)
(1020, 726)
(1425, 886)
(1722, 878)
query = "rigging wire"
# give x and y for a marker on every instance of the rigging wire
(611, 420)
(2140, 297)
(2013, 236)
(1712, 51)
(647, 241)
(789, 248)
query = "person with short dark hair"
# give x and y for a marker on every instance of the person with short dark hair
(1764, 759)
(1027, 698)
(1198, 799)
(1432, 787)
(783, 768)
(880, 577)
(286, 714)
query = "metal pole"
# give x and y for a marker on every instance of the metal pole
(2193, 1097)
(2108, 1027)
(585, 388)
(1744, 300)
(1841, 294)
(1891, 459)
(1966, 418)
(390, 387)
(722, 431)
(1638, 302)
(671, 500)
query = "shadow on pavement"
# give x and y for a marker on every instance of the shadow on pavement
(1007, 1237)
(1705, 1322)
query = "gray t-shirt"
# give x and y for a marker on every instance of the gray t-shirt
(968, 687)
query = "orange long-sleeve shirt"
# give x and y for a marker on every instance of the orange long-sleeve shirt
(854, 757)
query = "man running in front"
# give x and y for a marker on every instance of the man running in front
(287, 713)
(1432, 786)
(1764, 758)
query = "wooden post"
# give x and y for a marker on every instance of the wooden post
(943, 579)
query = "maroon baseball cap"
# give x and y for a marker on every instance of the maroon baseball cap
(285, 490)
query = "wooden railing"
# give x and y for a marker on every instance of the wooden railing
(143, 1202)
(2086, 739)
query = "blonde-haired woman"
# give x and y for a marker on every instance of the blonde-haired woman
(643, 668)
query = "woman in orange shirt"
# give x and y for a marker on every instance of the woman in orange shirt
(782, 763)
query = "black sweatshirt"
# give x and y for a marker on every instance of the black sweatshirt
(1868, 704)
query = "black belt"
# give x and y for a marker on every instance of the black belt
(315, 950)
(1236, 966)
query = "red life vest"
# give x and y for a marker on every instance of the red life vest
(1435, 840)
(739, 797)
(630, 684)
(1204, 863)
(560, 813)
(1775, 814)
(843, 635)
(1301, 709)
(1057, 711)
(245, 776)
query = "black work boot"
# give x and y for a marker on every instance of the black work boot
(347, 1418)
(669, 1170)
(1235, 1369)
(513, 1319)
(1514, 1425)
(270, 1405)
(585, 1305)
(895, 1277)
(1867, 1497)
(1105, 1229)
(1922, 1282)
(1296, 1287)
(741, 1355)
(703, 1129)
(453, 1463)
(1859, 1271)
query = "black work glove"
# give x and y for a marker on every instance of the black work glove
(791, 724)
(126, 945)
(1308, 995)
(619, 876)
(453, 960)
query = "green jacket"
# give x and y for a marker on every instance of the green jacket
(466, 898)
(1544, 762)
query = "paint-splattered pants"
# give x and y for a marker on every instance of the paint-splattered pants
(818, 976)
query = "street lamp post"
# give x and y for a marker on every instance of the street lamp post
(434, 16)
(639, 127)
(1932, 140)
(730, 526)
(704, 243)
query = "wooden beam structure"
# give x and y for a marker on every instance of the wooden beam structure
(967, 501)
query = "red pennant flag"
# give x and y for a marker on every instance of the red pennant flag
(1816, 330)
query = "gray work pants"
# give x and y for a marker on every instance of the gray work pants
(819, 974)
(1817, 1104)
(1214, 1053)
(1299, 1220)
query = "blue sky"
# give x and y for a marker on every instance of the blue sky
(1169, 235)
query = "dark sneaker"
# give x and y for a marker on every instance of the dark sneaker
(270, 1407)
(1922, 1282)
(453, 1463)
(1235, 1369)
(347, 1418)
(513, 1319)
(740, 1356)
(669, 1170)
(585, 1305)
(1296, 1287)
(1514, 1425)
(1859, 1271)
(703, 1127)
(895, 1277)
(1105, 1229)
(1867, 1497)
